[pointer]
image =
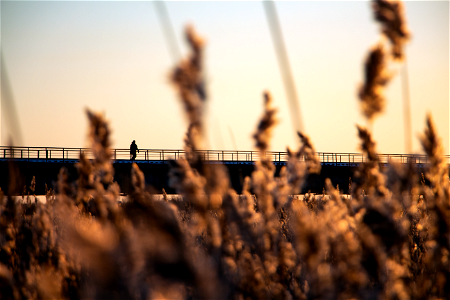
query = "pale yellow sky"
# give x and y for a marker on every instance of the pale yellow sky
(61, 57)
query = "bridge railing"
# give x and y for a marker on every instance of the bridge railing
(58, 153)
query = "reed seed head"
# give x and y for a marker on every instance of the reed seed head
(376, 77)
(393, 23)
(264, 129)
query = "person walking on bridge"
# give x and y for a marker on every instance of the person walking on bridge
(133, 148)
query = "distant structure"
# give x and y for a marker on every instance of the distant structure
(133, 148)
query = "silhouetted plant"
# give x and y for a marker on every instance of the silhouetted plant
(389, 240)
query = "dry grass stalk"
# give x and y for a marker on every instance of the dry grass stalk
(137, 180)
(382, 247)
(189, 183)
(432, 145)
(192, 143)
(100, 144)
(309, 154)
(218, 244)
(371, 179)
(264, 130)
(188, 80)
(297, 169)
(376, 77)
(391, 16)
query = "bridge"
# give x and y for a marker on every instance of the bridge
(45, 162)
(72, 155)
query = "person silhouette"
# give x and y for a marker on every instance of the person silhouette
(133, 148)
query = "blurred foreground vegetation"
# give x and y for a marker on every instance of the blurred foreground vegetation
(389, 240)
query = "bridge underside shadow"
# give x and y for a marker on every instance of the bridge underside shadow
(17, 174)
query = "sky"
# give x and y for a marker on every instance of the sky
(61, 57)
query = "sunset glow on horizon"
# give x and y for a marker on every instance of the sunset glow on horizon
(113, 57)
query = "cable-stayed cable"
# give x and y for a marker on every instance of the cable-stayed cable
(8, 110)
(285, 68)
(167, 28)
(406, 110)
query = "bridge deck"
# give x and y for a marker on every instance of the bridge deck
(157, 156)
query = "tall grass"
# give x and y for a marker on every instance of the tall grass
(389, 240)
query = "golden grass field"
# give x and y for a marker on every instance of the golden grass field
(390, 239)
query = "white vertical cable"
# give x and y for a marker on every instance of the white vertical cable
(167, 28)
(8, 111)
(406, 109)
(283, 61)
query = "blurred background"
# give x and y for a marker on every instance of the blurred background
(59, 58)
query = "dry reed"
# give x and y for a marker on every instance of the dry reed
(391, 16)
(391, 240)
